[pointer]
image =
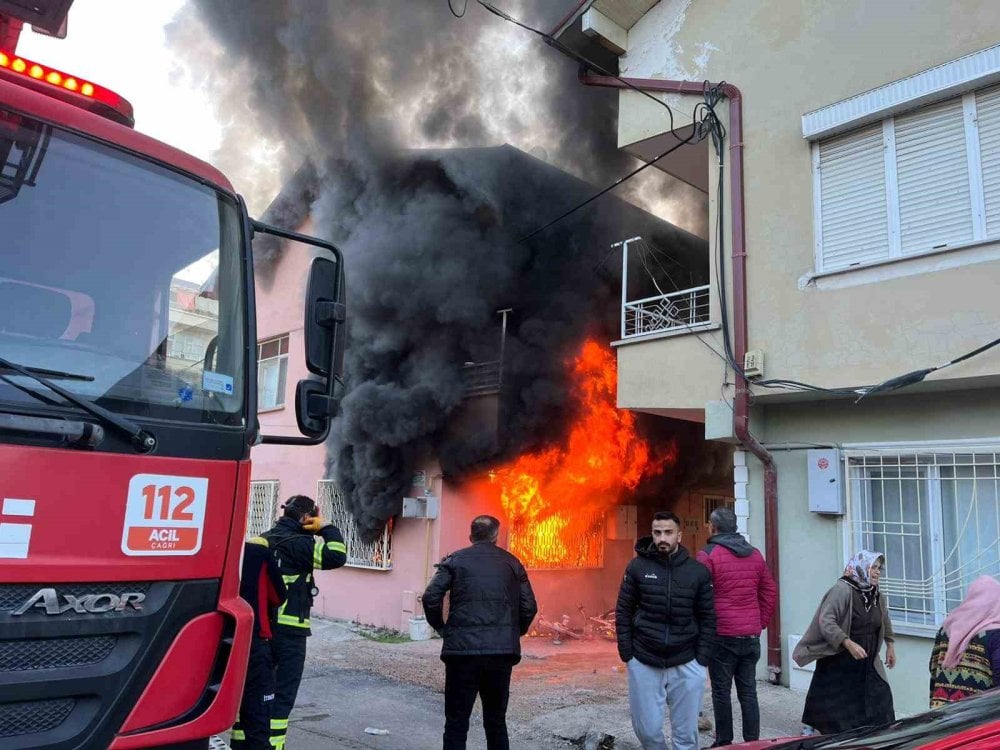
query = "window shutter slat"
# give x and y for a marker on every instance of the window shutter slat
(935, 205)
(854, 222)
(988, 118)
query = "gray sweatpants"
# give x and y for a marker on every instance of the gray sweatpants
(680, 688)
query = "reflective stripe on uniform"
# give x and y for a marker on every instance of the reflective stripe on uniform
(278, 743)
(279, 723)
(337, 547)
(293, 620)
(238, 735)
(318, 554)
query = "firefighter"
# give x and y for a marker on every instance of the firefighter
(263, 588)
(297, 553)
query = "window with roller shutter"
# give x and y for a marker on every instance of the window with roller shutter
(918, 182)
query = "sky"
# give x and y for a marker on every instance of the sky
(120, 44)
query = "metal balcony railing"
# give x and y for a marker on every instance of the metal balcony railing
(665, 312)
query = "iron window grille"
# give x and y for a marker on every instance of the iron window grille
(711, 502)
(374, 555)
(935, 514)
(558, 542)
(263, 506)
(272, 371)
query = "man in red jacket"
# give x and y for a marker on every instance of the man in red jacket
(745, 596)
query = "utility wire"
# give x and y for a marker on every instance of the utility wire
(608, 189)
(901, 381)
(553, 42)
(454, 12)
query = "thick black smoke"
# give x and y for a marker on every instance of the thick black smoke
(359, 90)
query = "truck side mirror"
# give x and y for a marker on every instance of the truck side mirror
(324, 318)
(325, 315)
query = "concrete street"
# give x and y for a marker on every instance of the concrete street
(559, 693)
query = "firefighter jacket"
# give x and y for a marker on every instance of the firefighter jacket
(261, 584)
(298, 553)
(491, 603)
(665, 615)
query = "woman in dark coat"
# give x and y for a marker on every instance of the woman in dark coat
(849, 688)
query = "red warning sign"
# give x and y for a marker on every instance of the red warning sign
(823, 463)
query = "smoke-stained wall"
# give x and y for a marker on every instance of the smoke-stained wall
(433, 237)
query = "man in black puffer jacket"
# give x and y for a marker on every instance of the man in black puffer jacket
(491, 606)
(665, 621)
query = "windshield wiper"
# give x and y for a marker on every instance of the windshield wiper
(142, 440)
(52, 373)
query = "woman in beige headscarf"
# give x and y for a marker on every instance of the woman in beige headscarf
(849, 688)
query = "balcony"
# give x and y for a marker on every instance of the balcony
(665, 312)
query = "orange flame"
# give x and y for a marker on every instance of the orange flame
(555, 500)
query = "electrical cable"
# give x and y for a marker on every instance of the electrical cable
(608, 189)
(901, 381)
(553, 42)
(717, 132)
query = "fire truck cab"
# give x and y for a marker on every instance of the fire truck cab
(127, 414)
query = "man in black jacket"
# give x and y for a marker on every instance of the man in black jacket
(301, 541)
(665, 621)
(491, 606)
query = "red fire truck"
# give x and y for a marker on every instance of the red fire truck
(127, 413)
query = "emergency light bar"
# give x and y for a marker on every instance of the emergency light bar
(69, 88)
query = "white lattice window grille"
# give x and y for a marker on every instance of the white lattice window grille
(559, 541)
(711, 502)
(375, 555)
(263, 506)
(915, 183)
(935, 513)
(272, 370)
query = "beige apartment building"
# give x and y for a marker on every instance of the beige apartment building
(859, 219)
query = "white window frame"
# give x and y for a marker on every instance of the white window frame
(375, 555)
(282, 364)
(895, 251)
(853, 531)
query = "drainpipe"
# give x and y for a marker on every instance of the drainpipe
(741, 402)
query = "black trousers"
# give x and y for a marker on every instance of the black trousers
(289, 653)
(465, 678)
(735, 659)
(252, 731)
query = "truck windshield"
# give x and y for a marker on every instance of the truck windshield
(119, 279)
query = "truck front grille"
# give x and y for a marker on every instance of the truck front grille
(31, 717)
(54, 653)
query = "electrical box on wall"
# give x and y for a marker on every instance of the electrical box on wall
(622, 522)
(826, 482)
(753, 363)
(421, 507)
